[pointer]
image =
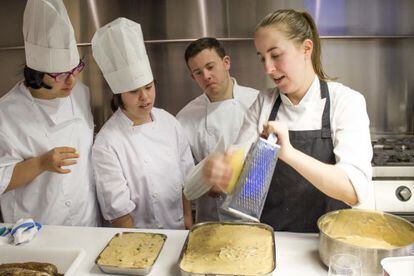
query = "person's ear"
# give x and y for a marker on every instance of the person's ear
(308, 47)
(191, 73)
(226, 61)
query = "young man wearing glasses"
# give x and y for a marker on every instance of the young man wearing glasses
(46, 127)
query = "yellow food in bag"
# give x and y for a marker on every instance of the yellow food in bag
(236, 162)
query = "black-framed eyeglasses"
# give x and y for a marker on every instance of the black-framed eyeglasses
(58, 77)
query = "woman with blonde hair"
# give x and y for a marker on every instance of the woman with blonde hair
(322, 127)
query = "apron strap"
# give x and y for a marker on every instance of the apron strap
(275, 109)
(326, 122)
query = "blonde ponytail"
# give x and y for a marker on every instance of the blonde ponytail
(298, 26)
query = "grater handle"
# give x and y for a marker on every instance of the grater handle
(272, 138)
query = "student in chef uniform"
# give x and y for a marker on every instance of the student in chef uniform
(217, 113)
(141, 155)
(322, 127)
(46, 127)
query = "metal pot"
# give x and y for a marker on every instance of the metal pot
(329, 244)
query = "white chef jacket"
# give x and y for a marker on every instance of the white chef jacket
(140, 170)
(205, 123)
(28, 130)
(349, 127)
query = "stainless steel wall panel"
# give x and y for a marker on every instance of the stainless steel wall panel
(379, 69)
(178, 19)
(368, 17)
(11, 17)
(379, 64)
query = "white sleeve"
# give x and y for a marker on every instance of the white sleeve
(194, 186)
(111, 186)
(352, 143)
(9, 157)
(186, 158)
(249, 130)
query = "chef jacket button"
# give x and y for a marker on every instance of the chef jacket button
(68, 203)
(47, 134)
(154, 195)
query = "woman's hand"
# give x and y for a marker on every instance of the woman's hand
(123, 222)
(217, 172)
(188, 222)
(56, 158)
(329, 179)
(282, 133)
(187, 213)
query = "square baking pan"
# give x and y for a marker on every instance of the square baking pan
(130, 270)
(211, 271)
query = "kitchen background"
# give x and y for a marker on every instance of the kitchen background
(368, 45)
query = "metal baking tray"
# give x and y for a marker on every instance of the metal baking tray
(129, 270)
(254, 224)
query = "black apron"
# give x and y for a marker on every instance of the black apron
(293, 203)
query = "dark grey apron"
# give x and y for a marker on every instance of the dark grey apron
(293, 203)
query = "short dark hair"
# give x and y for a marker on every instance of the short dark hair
(117, 102)
(201, 44)
(34, 78)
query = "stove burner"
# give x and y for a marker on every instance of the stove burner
(393, 152)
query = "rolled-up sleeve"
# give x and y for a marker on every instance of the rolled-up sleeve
(9, 157)
(194, 186)
(352, 143)
(111, 186)
(251, 123)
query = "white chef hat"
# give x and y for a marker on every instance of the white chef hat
(119, 50)
(49, 39)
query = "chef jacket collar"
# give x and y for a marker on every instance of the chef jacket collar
(236, 95)
(28, 96)
(310, 95)
(26, 92)
(128, 123)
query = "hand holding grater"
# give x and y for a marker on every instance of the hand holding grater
(248, 198)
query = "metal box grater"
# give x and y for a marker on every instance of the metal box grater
(248, 198)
